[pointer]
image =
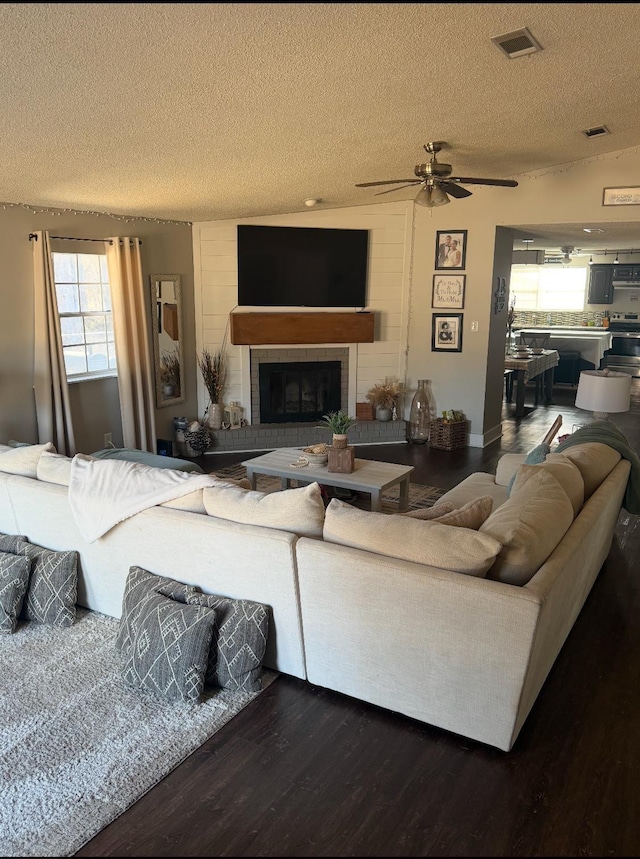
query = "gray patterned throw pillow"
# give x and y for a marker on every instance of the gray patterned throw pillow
(239, 642)
(140, 586)
(11, 542)
(240, 633)
(14, 579)
(170, 648)
(53, 586)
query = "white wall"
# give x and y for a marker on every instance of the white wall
(388, 292)
(402, 269)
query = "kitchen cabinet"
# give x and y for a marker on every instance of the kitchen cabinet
(600, 284)
(626, 273)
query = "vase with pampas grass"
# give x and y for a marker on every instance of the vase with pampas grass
(213, 368)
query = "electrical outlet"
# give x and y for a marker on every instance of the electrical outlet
(474, 326)
(108, 439)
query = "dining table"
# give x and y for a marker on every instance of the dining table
(529, 366)
(591, 343)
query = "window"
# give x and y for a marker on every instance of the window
(548, 288)
(84, 305)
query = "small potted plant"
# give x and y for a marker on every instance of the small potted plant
(384, 396)
(339, 423)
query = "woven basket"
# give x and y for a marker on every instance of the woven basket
(448, 436)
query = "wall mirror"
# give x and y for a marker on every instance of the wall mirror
(168, 339)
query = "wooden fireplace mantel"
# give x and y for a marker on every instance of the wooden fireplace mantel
(252, 329)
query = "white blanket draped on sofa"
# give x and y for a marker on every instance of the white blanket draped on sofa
(105, 492)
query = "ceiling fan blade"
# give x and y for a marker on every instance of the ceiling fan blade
(399, 188)
(454, 190)
(387, 182)
(507, 183)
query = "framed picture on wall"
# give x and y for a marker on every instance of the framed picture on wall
(446, 332)
(451, 250)
(448, 291)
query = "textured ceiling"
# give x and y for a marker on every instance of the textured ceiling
(204, 111)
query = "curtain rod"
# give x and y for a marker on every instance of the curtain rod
(74, 239)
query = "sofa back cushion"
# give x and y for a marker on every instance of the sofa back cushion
(300, 511)
(54, 468)
(529, 525)
(565, 472)
(23, 460)
(595, 461)
(461, 550)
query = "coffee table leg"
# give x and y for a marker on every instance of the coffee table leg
(403, 503)
(251, 477)
(285, 483)
(375, 500)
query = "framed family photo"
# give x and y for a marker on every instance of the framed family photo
(446, 332)
(448, 291)
(451, 250)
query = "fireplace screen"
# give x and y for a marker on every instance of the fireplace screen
(298, 391)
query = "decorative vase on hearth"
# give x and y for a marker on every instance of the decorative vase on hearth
(423, 411)
(216, 416)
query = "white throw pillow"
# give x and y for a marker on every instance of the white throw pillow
(300, 511)
(24, 460)
(564, 470)
(529, 525)
(458, 549)
(54, 468)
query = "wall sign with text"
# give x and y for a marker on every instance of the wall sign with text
(448, 290)
(621, 196)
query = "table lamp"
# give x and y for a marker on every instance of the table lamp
(603, 392)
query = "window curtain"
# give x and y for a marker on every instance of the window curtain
(53, 410)
(131, 335)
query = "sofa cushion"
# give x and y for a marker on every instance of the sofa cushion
(458, 549)
(471, 515)
(300, 511)
(239, 638)
(53, 585)
(54, 468)
(475, 486)
(146, 458)
(14, 580)
(427, 513)
(193, 502)
(566, 473)
(536, 456)
(595, 461)
(529, 525)
(507, 466)
(23, 460)
(170, 648)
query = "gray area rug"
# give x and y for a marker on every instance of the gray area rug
(420, 494)
(78, 746)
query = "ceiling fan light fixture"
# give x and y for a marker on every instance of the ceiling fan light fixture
(431, 196)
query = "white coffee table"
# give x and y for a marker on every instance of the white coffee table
(367, 475)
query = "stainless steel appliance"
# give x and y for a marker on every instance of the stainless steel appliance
(624, 355)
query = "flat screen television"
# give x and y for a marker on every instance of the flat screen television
(302, 266)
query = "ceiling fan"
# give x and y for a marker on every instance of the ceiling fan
(436, 180)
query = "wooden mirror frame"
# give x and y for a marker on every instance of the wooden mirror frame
(166, 302)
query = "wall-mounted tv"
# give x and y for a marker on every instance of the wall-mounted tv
(302, 266)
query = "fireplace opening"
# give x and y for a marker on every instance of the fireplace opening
(298, 391)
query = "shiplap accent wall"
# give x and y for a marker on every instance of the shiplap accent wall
(388, 291)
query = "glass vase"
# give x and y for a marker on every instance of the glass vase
(423, 411)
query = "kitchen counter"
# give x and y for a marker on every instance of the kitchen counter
(589, 341)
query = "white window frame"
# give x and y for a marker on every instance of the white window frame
(104, 373)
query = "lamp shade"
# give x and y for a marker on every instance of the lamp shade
(431, 196)
(604, 392)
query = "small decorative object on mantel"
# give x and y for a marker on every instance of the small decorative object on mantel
(197, 437)
(365, 412)
(339, 423)
(383, 396)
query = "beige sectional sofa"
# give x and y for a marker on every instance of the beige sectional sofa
(370, 606)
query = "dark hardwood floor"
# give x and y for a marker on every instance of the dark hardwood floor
(303, 771)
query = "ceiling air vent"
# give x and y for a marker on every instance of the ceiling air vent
(598, 131)
(519, 43)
